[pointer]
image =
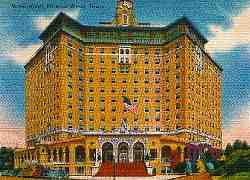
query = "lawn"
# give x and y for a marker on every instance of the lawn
(238, 176)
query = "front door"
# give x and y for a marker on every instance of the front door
(123, 157)
(107, 152)
(123, 152)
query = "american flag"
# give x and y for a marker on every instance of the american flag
(131, 107)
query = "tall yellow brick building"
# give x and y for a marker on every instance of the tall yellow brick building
(123, 91)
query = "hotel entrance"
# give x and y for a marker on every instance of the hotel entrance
(123, 150)
(107, 152)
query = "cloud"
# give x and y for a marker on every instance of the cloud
(224, 40)
(239, 127)
(11, 136)
(22, 54)
(43, 21)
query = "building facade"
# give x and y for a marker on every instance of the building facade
(122, 91)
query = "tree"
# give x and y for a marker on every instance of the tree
(245, 145)
(6, 158)
(237, 144)
(228, 150)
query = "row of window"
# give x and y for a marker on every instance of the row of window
(113, 80)
(124, 51)
(114, 90)
(113, 100)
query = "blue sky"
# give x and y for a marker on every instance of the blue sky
(225, 23)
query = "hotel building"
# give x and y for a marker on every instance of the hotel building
(122, 91)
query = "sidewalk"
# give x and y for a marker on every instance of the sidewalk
(128, 178)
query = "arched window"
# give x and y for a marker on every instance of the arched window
(67, 154)
(165, 154)
(80, 155)
(60, 153)
(107, 152)
(125, 19)
(138, 152)
(123, 152)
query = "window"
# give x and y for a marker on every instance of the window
(91, 109)
(146, 100)
(124, 90)
(157, 80)
(70, 115)
(80, 107)
(91, 59)
(135, 51)
(113, 80)
(146, 109)
(113, 90)
(91, 89)
(157, 60)
(80, 69)
(113, 59)
(157, 109)
(69, 94)
(113, 50)
(69, 52)
(125, 19)
(102, 99)
(102, 70)
(124, 55)
(91, 69)
(157, 90)
(146, 90)
(102, 50)
(102, 79)
(157, 51)
(70, 41)
(91, 79)
(91, 50)
(157, 99)
(70, 106)
(153, 154)
(91, 117)
(178, 106)
(178, 65)
(92, 154)
(102, 90)
(158, 129)
(113, 70)
(146, 71)
(102, 59)
(135, 90)
(81, 117)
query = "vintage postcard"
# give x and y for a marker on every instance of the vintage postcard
(125, 89)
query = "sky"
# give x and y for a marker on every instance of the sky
(225, 23)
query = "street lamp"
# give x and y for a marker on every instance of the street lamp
(113, 165)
